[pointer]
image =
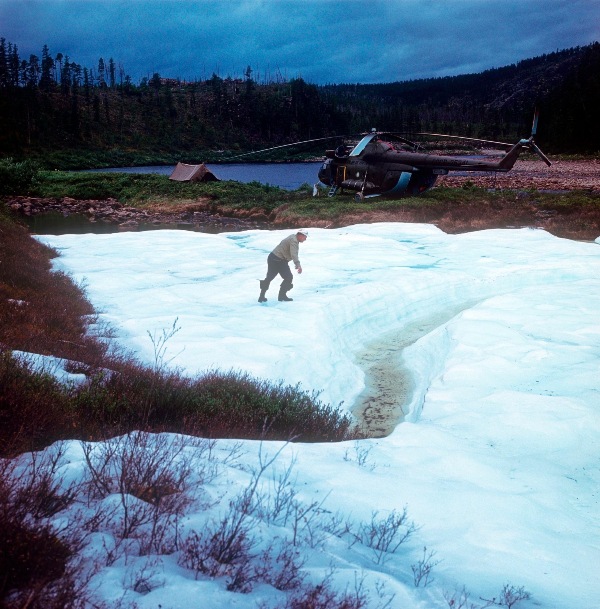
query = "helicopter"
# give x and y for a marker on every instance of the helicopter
(384, 164)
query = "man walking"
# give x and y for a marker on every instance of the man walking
(278, 264)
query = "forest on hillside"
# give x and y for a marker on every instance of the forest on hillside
(51, 103)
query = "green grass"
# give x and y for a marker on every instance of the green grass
(140, 190)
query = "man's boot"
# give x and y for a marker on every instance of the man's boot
(283, 290)
(264, 286)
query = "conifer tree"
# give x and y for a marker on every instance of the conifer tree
(13, 65)
(33, 71)
(111, 73)
(101, 73)
(47, 65)
(3, 64)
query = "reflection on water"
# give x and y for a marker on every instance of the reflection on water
(55, 223)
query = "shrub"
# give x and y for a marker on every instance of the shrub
(215, 404)
(323, 596)
(508, 597)
(280, 411)
(37, 410)
(33, 407)
(151, 476)
(422, 569)
(16, 177)
(385, 535)
(30, 554)
(34, 561)
(40, 311)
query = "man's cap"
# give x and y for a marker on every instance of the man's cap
(302, 231)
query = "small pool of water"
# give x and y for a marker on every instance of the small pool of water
(56, 223)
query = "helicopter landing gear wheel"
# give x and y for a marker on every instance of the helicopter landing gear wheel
(359, 197)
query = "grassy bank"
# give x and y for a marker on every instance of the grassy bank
(574, 214)
(142, 189)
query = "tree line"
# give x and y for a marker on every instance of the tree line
(54, 103)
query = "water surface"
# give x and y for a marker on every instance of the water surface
(284, 175)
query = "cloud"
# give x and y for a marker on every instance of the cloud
(324, 41)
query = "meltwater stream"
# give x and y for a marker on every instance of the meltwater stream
(388, 384)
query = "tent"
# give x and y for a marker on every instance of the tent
(192, 173)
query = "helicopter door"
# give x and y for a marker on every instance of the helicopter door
(341, 174)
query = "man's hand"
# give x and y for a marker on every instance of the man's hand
(299, 269)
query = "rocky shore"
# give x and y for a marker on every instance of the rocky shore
(198, 215)
(561, 175)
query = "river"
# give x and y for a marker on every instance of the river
(284, 175)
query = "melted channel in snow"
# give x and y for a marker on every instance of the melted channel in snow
(388, 383)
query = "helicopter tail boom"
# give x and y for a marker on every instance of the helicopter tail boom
(513, 151)
(507, 162)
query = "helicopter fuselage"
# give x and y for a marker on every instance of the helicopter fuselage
(377, 166)
(380, 172)
(381, 168)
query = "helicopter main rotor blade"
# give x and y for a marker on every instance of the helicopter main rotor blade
(319, 139)
(399, 137)
(362, 144)
(503, 145)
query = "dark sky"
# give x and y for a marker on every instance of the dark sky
(322, 41)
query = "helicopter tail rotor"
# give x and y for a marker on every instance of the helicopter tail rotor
(536, 116)
(532, 145)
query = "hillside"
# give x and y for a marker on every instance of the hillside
(498, 102)
(50, 106)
